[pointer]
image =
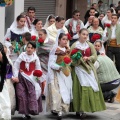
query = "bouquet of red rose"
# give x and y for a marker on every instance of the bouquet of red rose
(34, 38)
(65, 65)
(107, 25)
(37, 74)
(40, 42)
(95, 37)
(76, 54)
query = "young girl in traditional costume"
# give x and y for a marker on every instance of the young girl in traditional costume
(49, 21)
(13, 37)
(87, 94)
(43, 50)
(59, 94)
(5, 105)
(28, 89)
(108, 75)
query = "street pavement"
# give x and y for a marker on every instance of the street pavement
(111, 113)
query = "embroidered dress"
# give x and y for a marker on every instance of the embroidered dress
(59, 93)
(43, 54)
(15, 35)
(98, 31)
(28, 90)
(87, 95)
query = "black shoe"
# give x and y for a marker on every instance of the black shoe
(81, 115)
(43, 97)
(28, 117)
(54, 112)
(111, 100)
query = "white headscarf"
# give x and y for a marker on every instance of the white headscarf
(102, 50)
(52, 52)
(47, 21)
(14, 28)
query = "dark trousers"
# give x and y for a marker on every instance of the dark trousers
(107, 90)
(114, 51)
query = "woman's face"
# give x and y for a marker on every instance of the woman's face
(0, 56)
(30, 49)
(101, 16)
(97, 46)
(42, 35)
(95, 22)
(38, 26)
(51, 21)
(63, 41)
(21, 22)
(60, 24)
(83, 36)
(109, 14)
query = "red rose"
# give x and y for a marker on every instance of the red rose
(33, 37)
(40, 40)
(95, 37)
(107, 25)
(67, 60)
(37, 73)
(69, 36)
(8, 39)
(74, 51)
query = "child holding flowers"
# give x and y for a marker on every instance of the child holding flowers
(44, 46)
(27, 70)
(59, 81)
(87, 95)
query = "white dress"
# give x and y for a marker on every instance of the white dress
(5, 105)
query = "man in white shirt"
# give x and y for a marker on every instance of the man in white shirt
(112, 36)
(74, 25)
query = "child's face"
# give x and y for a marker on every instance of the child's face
(30, 49)
(42, 35)
(83, 35)
(63, 41)
(97, 46)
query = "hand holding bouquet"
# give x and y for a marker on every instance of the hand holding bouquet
(37, 74)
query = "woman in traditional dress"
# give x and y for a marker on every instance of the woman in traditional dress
(37, 27)
(49, 21)
(13, 36)
(43, 53)
(59, 93)
(28, 89)
(53, 29)
(95, 31)
(87, 94)
(107, 73)
(5, 105)
(10, 81)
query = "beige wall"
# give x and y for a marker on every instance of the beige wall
(82, 7)
(61, 8)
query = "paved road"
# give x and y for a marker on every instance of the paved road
(112, 113)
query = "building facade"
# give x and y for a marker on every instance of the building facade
(44, 8)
